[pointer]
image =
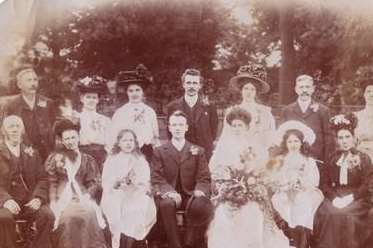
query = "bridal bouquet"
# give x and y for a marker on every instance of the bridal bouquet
(240, 188)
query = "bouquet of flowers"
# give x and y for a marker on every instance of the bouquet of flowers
(240, 188)
(128, 180)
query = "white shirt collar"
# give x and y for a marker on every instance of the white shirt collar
(304, 104)
(31, 103)
(191, 100)
(178, 144)
(15, 150)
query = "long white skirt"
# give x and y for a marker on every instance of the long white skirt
(132, 213)
(243, 228)
(299, 211)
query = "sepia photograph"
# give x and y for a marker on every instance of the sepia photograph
(186, 124)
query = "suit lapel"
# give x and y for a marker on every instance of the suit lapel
(185, 153)
(199, 108)
(309, 110)
(172, 152)
(183, 105)
(297, 110)
(5, 151)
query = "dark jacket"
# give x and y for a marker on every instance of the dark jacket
(357, 177)
(88, 176)
(32, 172)
(202, 120)
(191, 163)
(318, 121)
(38, 122)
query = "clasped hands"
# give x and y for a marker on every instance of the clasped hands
(176, 197)
(14, 208)
(341, 202)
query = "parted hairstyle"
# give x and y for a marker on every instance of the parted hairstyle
(192, 72)
(305, 147)
(116, 148)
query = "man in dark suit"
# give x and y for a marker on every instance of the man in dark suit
(202, 115)
(23, 187)
(181, 180)
(36, 111)
(313, 114)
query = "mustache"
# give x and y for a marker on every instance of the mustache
(305, 94)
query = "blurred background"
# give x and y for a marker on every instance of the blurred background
(70, 39)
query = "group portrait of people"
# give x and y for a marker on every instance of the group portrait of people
(88, 179)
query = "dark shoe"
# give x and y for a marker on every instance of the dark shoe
(127, 242)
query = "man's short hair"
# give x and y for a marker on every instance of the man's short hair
(192, 72)
(304, 77)
(22, 70)
(177, 113)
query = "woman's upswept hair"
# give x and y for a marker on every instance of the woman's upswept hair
(238, 113)
(116, 148)
(305, 147)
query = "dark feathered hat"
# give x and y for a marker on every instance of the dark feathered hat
(254, 73)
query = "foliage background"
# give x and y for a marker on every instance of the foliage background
(330, 41)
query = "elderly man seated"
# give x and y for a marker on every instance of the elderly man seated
(23, 187)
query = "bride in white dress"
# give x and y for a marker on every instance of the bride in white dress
(246, 226)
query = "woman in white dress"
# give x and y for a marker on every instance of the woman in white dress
(251, 82)
(94, 126)
(126, 199)
(249, 225)
(136, 114)
(364, 130)
(297, 198)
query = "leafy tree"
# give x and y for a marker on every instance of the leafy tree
(166, 36)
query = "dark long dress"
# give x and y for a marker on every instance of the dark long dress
(343, 227)
(78, 225)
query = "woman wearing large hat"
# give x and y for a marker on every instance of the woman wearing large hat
(250, 81)
(94, 126)
(136, 115)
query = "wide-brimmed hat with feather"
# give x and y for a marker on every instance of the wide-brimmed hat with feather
(251, 73)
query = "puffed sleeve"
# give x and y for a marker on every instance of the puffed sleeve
(311, 175)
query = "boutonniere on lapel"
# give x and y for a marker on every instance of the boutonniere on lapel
(42, 103)
(29, 151)
(314, 107)
(194, 150)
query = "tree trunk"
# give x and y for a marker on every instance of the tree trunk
(287, 70)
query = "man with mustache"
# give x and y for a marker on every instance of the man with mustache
(24, 187)
(36, 111)
(313, 114)
(202, 116)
